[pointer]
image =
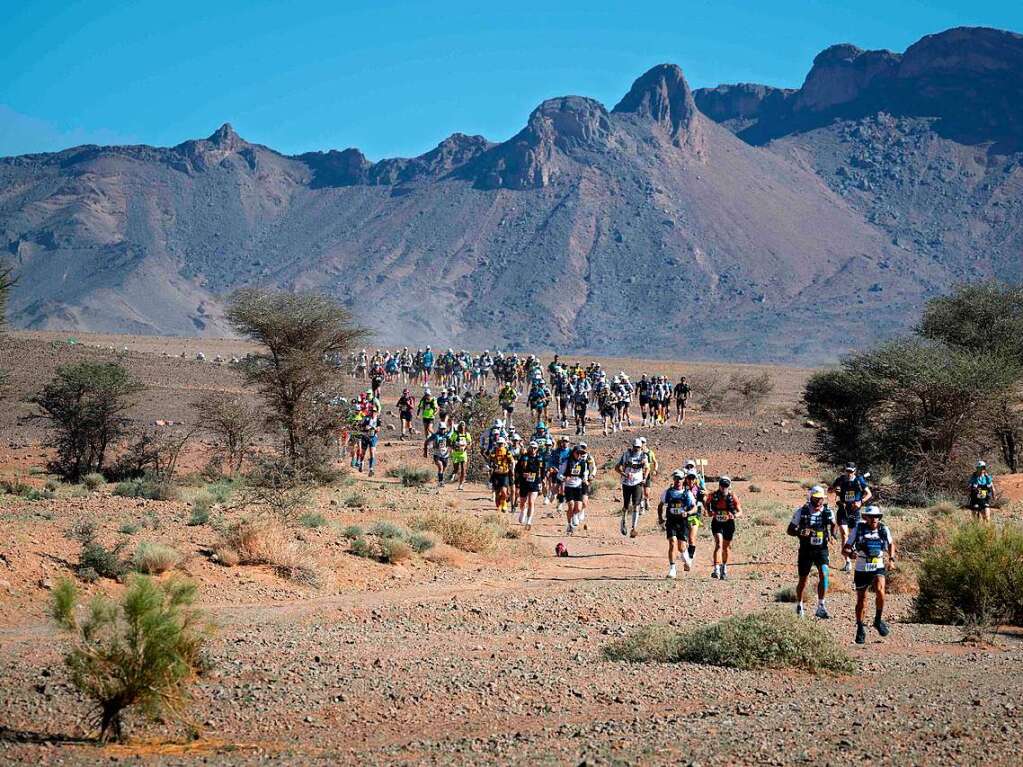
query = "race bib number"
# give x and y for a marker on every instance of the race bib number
(850, 496)
(872, 565)
(633, 476)
(529, 476)
(722, 516)
(816, 538)
(982, 492)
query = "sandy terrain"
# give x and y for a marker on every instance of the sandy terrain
(495, 658)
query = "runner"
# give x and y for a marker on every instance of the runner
(370, 436)
(651, 458)
(460, 441)
(851, 493)
(681, 399)
(441, 443)
(679, 502)
(814, 525)
(574, 474)
(723, 507)
(580, 401)
(406, 405)
(982, 492)
(506, 398)
(643, 388)
(428, 409)
(869, 541)
(633, 469)
(528, 476)
(694, 484)
(501, 465)
(556, 487)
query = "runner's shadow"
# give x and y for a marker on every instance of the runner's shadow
(600, 579)
(10, 735)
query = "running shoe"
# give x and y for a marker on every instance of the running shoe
(822, 612)
(687, 561)
(672, 571)
(861, 634)
(625, 530)
(633, 533)
(714, 572)
(800, 612)
(882, 627)
(847, 567)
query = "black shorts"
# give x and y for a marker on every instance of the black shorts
(500, 481)
(508, 408)
(442, 459)
(980, 504)
(676, 526)
(405, 415)
(574, 493)
(632, 495)
(525, 488)
(863, 580)
(847, 517)
(725, 529)
(811, 557)
(580, 411)
(644, 401)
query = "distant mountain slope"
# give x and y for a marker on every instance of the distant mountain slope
(648, 229)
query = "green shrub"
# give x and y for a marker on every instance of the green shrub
(785, 594)
(410, 476)
(103, 562)
(151, 489)
(154, 558)
(94, 481)
(222, 490)
(51, 486)
(200, 516)
(312, 520)
(142, 652)
(384, 529)
(421, 542)
(355, 501)
(648, 644)
(361, 547)
(755, 489)
(352, 532)
(128, 528)
(976, 574)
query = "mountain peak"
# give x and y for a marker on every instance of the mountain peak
(225, 137)
(663, 95)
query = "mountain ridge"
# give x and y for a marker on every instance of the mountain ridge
(741, 222)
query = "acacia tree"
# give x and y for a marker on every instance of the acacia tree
(85, 405)
(234, 422)
(301, 333)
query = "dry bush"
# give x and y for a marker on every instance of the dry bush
(708, 390)
(234, 422)
(268, 542)
(918, 540)
(394, 550)
(465, 533)
(154, 558)
(764, 520)
(900, 580)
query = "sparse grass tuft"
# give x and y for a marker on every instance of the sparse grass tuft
(421, 542)
(649, 644)
(388, 530)
(312, 520)
(785, 594)
(355, 501)
(352, 532)
(268, 542)
(151, 489)
(361, 547)
(94, 481)
(129, 528)
(394, 550)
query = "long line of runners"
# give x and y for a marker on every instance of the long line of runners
(523, 471)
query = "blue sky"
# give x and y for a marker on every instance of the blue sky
(394, 78)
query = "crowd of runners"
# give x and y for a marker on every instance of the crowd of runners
(557, 471)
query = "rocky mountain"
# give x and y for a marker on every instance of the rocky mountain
(742, 222)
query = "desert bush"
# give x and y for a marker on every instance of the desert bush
(201, 508)
(129, 528)
(649, 644)
(421, 542)
(922, 538)
(384, 529)
(147, 487)
(84, 406)
(410, 476)
(94, 480)
(141, 653)
(352, 532)
(312, 520)
(394, 550)
(755, 489)
(278, 487)
(708, 390)
(355, 501)
(461, 532)
(748, 391)
(978, 573)
(152, 452)
(154, 558)
(222, 490)
(764, 520)
(768, 639)
(362, 547)
(95, 560)
(268, 542)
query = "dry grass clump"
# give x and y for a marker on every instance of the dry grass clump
(154, 558)
(268, 542)
(462, 532)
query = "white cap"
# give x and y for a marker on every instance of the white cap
(637, 442)
(873, 511)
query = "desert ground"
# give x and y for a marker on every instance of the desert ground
(455, 657)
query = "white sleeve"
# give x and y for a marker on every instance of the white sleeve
(795, 518)
(664, 497)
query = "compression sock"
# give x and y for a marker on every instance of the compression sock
(440, 477)
(635, 517)
(692, 552)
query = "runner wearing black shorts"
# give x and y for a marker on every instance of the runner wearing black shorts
(673, 512)
(723, 507)
(814, 525)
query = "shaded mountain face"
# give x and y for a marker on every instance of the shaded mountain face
(742, 222)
